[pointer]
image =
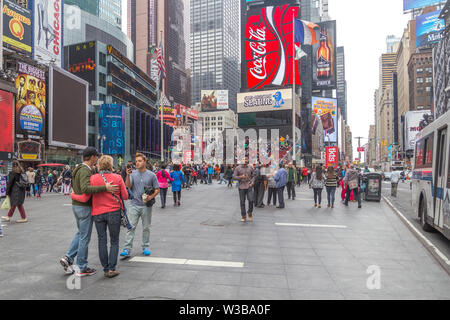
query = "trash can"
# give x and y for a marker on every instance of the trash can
(373, 186)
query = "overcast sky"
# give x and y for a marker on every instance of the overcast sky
(362, 27)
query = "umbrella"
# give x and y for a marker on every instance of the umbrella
(51, 165)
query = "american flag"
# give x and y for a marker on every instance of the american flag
(160, 62)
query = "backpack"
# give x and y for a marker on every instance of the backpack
(23, 181)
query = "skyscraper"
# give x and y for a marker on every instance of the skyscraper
(215, 48)
(108, 10)
(341, 82)
(146, 20)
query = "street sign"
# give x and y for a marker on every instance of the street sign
(361, 149)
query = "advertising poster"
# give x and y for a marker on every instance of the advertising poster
(213, 100)
(30, 100)
(3, 185)
(413, 126)
(326, 110)
(417, 4)
(324, 57)
(429, 29)
(112, 129)
(48, 31)
(268, 51)
(82, 62)
(332, 156)
(17, 27)
(6, 125)
(260, 101)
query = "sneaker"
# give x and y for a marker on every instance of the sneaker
(7, 219)
(319, 206)
(146, 252)
(243, 219)
(66, 264)
(112, 273)
(86, 272)
(125, 253)
(250, 217)
(315, 205)
(22, 220)
(359, 207)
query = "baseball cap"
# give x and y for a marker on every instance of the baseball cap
(89, 152)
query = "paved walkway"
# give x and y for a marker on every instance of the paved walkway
(278, 261)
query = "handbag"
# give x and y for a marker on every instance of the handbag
(124, 221)
(23, 181)
(353, 185)
(6, 205)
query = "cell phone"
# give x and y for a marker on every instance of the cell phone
(129, 166)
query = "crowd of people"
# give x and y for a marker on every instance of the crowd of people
(99, 191)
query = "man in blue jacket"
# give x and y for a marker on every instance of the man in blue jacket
(281, 180)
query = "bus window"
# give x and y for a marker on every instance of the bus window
(419, 153)
(429, 151)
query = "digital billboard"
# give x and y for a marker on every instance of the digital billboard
(268, 48)
(325, 110)
(68, 110)
(413, 127)
(324, 57)
(30, 100)
(213, 100)
(6, 125)
(48, 31)
(417, 4)
(260, 101)
(82, 62)
(429, 29)
(17, 27)
(112, 129)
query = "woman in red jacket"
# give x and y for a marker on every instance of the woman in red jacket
(106, 209)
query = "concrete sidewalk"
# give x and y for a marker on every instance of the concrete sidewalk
(279, 262)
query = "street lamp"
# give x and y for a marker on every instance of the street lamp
(102, 139)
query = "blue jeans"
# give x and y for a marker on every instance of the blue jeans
(80, 243)
(221, 178)
(110, 221)
(318, 195)
(210, 178)
(331, 191)
(280, 193)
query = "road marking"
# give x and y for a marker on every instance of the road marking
(418, 233)
(67, 205)
(310, 225)
(207, 263)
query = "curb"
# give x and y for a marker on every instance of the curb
(435, 252)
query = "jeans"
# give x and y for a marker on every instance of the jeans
(210, 178)
(246, 193)
(38, 190)
(110, 221)
(230, 182)
(394, 187)
(80, 243)
(258, 191)
(280, 192)
(355, 194)
(176, 197)
(134, 213)
(221, 179)
(272, 192)
(163, 195)
(331, 191)
(291, 189)
(317, 195)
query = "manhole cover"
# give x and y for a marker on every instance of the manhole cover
(214, 223)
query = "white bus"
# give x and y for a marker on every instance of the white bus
(431, 176)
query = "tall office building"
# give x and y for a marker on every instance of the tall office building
(341, 82)
(146, 20)
(315, 10)
(388, 66)
(108, 10)
(215, 48)
(392, 43)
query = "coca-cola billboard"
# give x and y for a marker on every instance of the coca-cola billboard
(268, 51)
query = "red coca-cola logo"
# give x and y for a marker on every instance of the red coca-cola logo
(268, 47)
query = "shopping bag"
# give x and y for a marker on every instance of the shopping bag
(6, 205)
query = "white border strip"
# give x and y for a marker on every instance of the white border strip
(309, 225)
(418, 233)
(207, 263)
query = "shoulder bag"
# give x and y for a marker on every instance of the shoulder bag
(125, 222)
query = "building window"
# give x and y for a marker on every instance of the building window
(102, 61)
(428, 89)
(419, 80)
(102, 97)
(419, 70)
(102, 80)
(91, 119)
(429, 79)
(91, 138)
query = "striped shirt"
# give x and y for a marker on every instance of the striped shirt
(332, 182)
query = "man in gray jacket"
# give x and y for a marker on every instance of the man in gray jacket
(245, 175)
(351, 181)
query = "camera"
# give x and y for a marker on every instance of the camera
(149, 191)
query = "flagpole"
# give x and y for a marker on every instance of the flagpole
(294, 144)
(162, 108)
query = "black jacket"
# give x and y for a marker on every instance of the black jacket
(15, 193)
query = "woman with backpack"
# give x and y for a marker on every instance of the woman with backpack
(17, 184)
(317, 183)
(163, 180)
(178, 180)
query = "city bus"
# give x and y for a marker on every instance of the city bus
(431, 176)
